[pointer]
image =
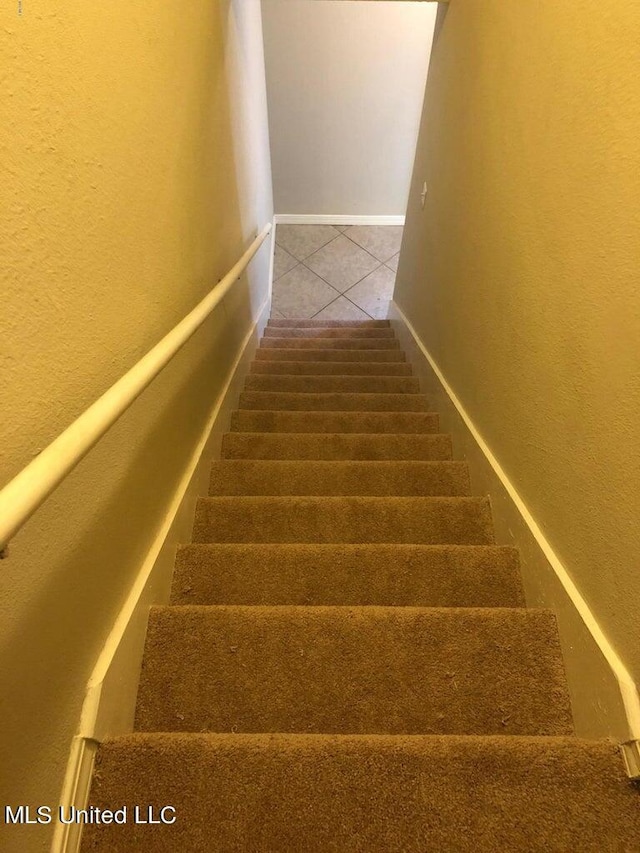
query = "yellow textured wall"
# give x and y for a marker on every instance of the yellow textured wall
(521, 274)
(119, 212)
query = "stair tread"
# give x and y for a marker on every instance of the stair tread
(353, 669)
(335, 401)
(274, 420)
(294, 343)
(331, 355)
(336, 446)
(393, 575)
(416, 520)
(332, 384)
(330, 368)
(336, 477)
(367, 794)
(329, 332)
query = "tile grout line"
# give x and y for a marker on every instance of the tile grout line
(358, 306)
(298, 264)
(351, 286)
(341, 293)
(367, 251)
(326, 306)
(380, 265)
(355, 305)
(314, 251)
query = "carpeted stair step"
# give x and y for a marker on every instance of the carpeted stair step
(331, 355)
(329, 332)
(353, 670)
(374, 343)
(336, 446)
(329, 324)
(329, 368)
(311, 477)
(366, 794)
(334, 402)
(386, 575)
(292, 421)
(334, 384)
(428, 521)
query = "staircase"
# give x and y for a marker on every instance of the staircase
(347, 664)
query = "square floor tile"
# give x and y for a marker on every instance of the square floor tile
(341, 309)
(373, 293)
(303, 240)
(301, 294)
(381, 241)
(282, 262)
(341, 263)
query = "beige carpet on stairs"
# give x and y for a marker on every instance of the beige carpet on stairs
(346, 663)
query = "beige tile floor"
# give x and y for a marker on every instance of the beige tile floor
(334, 272)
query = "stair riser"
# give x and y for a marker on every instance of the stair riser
(334, 384)
(353, 671)
(428, 521)
(362, 422)
(320, 368)
(332, 355)
(328, 332)
(238, 445)
(384, 575)
(374, 343)
(249, 477)
(329, 402)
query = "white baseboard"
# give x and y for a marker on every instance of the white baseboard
(604, 696)
(110, 697)
(334, 219)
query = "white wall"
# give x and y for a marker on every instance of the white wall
(244, 58)
(345, 83)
